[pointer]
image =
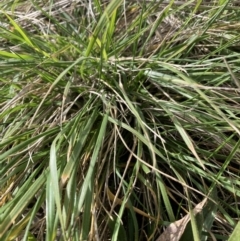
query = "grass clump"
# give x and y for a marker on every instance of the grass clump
(119, 120)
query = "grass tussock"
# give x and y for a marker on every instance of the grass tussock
(119, 120)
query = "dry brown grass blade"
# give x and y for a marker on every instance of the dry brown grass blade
(118, 201)
(175, 230)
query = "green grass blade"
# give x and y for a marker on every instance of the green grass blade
(93, 161)
(236, 233)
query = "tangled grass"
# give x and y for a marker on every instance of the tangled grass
(119, 120)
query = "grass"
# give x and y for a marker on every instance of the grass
(120, 120)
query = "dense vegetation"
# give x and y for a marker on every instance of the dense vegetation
(119, 120)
